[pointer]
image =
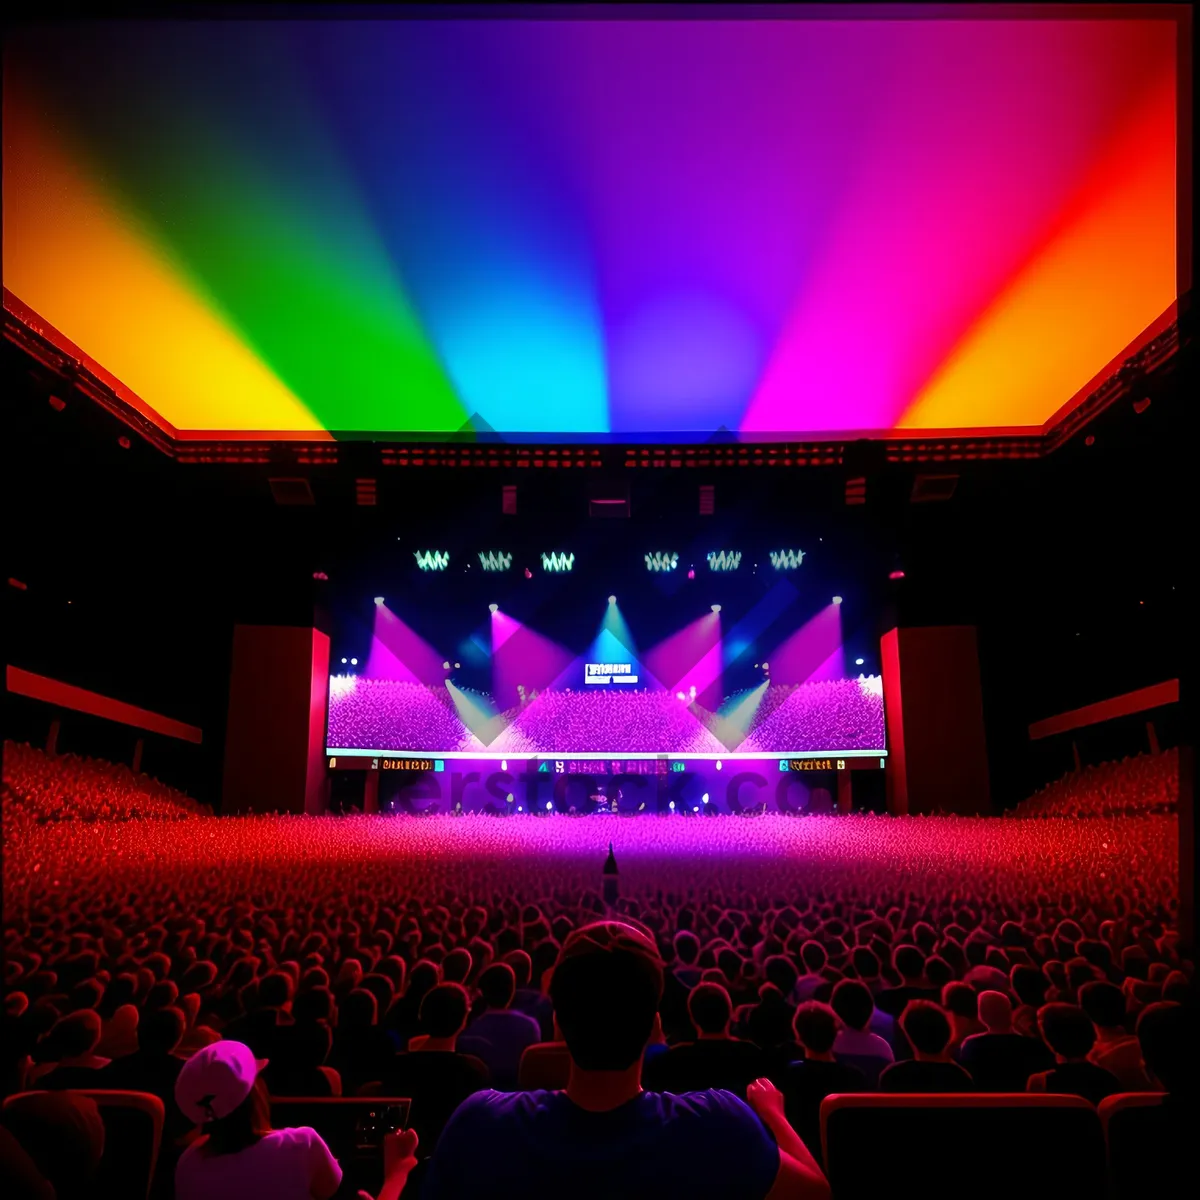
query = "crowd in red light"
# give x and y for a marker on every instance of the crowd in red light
(1145, 784)
(250, 926)
(38, 787)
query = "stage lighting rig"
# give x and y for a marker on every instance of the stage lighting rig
(493, 608)
(558, 562)
(432, 560)
(495, 560)
(661, 561)
(724, 560)
(786, 560)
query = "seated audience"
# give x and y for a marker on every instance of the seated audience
(818, 1074)
(499, 1035)
(714, 1059)
(604, 1136)
(1066, 1029)
(154, 1066)
(1116, 1049)
(931, 1069)
(1000, 1059)
(240, 1157)
(855, 1044)
(71, 1049)
(961, 1004)
(62, 1133)
(909, 964)
(436, 1074)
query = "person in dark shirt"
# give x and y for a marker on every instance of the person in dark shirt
(1066, 1029)
(153, 1067)
(714, 1059)
(1001, 1060)
(818, 1074)
(604, 1136)
(931, 1069)
(909, 964)
(360, 1045)
(71, 1044)
(499, 1035)
(436, 1076)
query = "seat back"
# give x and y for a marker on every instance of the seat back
(1038, 1147)
(133, 1127)
(1150, 1143)
(544, 1065)
(352, 1127)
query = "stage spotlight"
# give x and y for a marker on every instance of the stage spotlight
(457, 666)
(716, 608)
(446, 666)
(695, 808)
(718, 764)
(612, 599)
(896, 575)
(378, 599)
(837, 599)
(766, 666)
(354, 662)
(858, 662)
(493, 608)
(671, 806)
(704, 798)
(504, 764)
(549, 805)
(344, 661)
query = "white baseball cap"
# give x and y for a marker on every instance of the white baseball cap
(216, 1080)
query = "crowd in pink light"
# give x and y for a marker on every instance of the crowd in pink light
(832, 715)
(842, 714)
(393, 714)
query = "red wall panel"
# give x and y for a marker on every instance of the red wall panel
(937, 748)
(274, 741)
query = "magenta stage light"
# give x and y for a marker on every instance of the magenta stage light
(522, 658)
(399, 653)
(493, 608)
(896, 575)
(691, 658)
(813, 652)
(378, 599)
(837, 600)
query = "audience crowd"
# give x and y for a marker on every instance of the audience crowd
(778, 960)
(38, 787)
(1146, 784)
(844, 714)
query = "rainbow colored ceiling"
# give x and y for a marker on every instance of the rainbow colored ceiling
(611, 227)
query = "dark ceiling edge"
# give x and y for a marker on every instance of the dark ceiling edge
(1138, 372)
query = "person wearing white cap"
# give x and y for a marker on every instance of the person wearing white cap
(240, 1157)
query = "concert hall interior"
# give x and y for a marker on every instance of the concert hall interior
(597, 603)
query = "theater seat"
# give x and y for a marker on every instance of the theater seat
(1150, 1143)
(1007, 1145)
(133, 1126)
(544, 1065)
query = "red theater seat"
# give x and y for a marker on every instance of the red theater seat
(1150, 1143)
(1014, 1146)
(544, 1065)
(133, 1126)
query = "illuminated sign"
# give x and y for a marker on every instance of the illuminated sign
(495, 560)
(661, 561)
(786, 560)
(432, 560)
(411, 764)
(810, 764)
(724, 560)
(609, 673)
(558, 562)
